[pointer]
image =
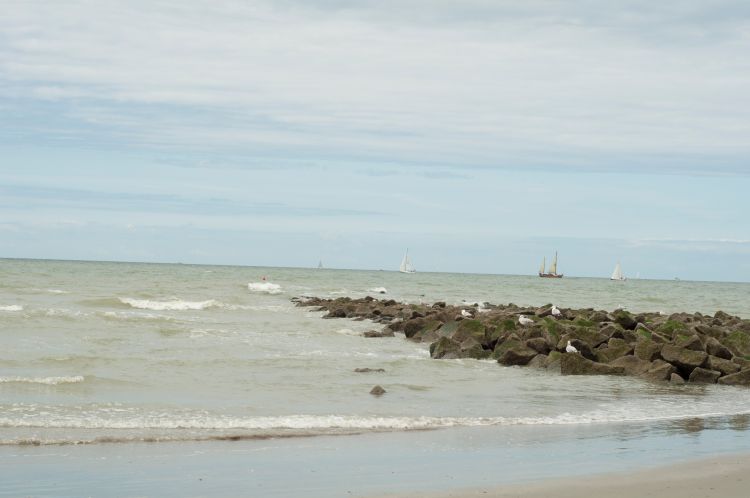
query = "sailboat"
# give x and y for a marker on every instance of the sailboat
(552, 273)
(406, 266)
(617, 273)
(320, 264)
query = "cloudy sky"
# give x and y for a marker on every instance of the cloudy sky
(482, 135)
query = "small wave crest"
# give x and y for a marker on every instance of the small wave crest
(266, 287)
(12, 307)
(379, 290)
(171, 305)
(50, 381)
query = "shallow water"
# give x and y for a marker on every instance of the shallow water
(103, 352)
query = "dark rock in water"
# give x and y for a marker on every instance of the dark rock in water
(538, 361)
(703, 376)
(684, 359)
(381, 333)
(676, 379)
(517, 354)
(575, 364)
(439, 304)
(583, 347)
(368, 370)
(445, 348)
(726, 367)
(741, 378)
(632, 364)
(336, 313)
(660, 371)
(377, 391)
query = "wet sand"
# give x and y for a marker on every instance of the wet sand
(726, 477)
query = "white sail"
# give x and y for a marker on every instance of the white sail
(617, 273)
(320, 263)
(553, 266)
(406, 266)
(544, 263)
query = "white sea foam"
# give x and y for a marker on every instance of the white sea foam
(50, 381)
(312, 423)
(379, 290)
(171, 305)
(266, 287)
(12, 307)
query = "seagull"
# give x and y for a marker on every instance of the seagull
(556, 312)
(525, 321)
(466, 314)
(570, 348)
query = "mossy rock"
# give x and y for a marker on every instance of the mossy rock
(575, 364)
(583, 322)
(469, 328)
(646, 349)
(420, 328)
(672, 327)
(445, 348)
(616, 348)
(625, 320)
(738, 342)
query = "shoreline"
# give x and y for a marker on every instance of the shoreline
(725, 476)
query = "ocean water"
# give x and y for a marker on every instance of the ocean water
(100, 353)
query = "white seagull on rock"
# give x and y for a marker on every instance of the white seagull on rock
(466, 314)
(556, 312)
(570, 348)
(525, 321)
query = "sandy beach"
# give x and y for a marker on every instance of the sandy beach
(725, 476)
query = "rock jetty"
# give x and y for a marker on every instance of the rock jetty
(677, 348)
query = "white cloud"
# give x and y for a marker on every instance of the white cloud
(477, 84)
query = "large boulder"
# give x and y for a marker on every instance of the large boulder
(632, 364)
(692, 342)
(445, 348)
(726, 367)
(659, 371)
(419, 326)
(625, 320)
(539, 344)
(575, 364)
(715, 348)
(741, 378)
(513, 352)
(647, 349)
(704, 376)
(616, 348)
(738, 342)
(684, 359)
(469, 328)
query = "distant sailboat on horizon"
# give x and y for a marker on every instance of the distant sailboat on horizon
(552, 273)
(320, 264)
(617, 273)
(406, 266)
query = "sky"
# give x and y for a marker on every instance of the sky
(481, 135)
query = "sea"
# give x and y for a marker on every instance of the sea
(210, 381)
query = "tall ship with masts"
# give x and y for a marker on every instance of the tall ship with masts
(552, 271)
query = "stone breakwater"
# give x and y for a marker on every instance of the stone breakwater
(681, 347)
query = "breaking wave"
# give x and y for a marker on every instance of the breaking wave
(266, 287)
(50, 381)
(12, 307)
(171, 305)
